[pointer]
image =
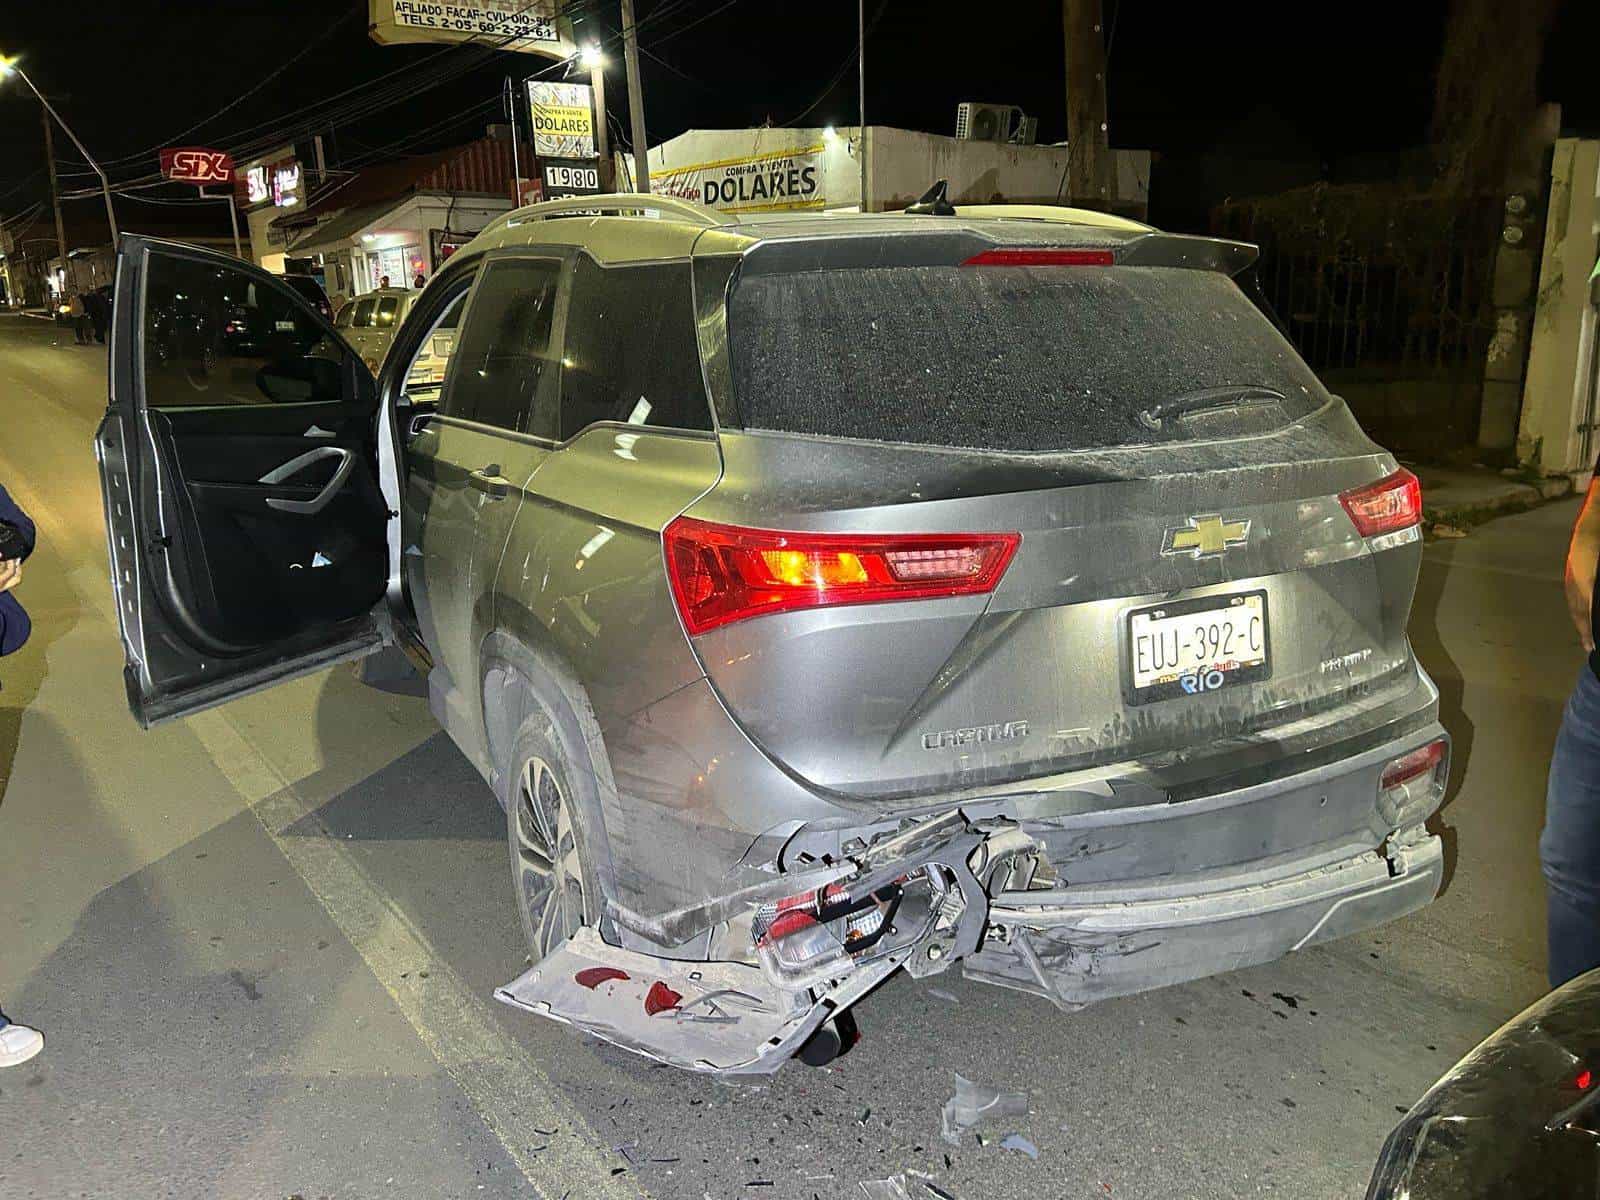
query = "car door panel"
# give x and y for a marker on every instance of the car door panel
(495, 422)
(239, 464)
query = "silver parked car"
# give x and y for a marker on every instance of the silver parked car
(821, 596)
(370, 322)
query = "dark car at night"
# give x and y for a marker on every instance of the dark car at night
(822, 596)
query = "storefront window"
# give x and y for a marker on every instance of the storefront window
(396, 263)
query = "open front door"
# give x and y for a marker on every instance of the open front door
(239, 463)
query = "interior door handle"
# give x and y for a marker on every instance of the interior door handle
(299, 463)
(490, 482)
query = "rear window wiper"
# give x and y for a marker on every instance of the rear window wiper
(1232, 396)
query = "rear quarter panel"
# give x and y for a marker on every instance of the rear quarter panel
(582, 576)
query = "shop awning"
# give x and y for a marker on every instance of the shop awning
(346, 227)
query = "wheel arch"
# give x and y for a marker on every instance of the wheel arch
(516, 680)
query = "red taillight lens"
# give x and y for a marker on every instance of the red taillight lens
(1418, 762)
(1394, 502)
(1007, 257)
(724, 573)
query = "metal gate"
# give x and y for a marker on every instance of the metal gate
(1386, 293)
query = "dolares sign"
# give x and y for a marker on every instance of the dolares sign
(193, 164)
(562, 119)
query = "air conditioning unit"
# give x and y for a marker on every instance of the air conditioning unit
(995, 123)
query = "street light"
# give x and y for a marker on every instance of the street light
(592, 58)
(8, 68)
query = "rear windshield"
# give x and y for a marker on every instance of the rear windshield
(1004, 358)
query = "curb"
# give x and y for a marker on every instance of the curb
(1514, 498)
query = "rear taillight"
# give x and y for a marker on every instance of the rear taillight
(1412, 785)
(1393, 503)
(724, 573)
(1038, 257)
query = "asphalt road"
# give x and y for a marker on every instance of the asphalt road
(262, 944)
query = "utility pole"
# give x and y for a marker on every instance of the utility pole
(55, 200)
(641, 144)
(861, 98)
(602, 140)
(1088, 152)
(513, 99)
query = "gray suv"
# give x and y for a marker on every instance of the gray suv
(821, 596)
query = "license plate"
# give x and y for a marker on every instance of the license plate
(1192, 647)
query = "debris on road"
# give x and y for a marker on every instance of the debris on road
(908, 1186)
(975, 1103)
(1015, 1141)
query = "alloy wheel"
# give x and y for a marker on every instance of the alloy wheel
(550, 882)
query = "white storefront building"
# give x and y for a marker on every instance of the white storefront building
(771, 170)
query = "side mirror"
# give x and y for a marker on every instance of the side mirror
(298, 380)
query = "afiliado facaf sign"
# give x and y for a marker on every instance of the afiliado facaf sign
(772, 182)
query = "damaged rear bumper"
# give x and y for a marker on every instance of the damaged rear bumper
(1074, 953)
(1010, 890)
(919, 898)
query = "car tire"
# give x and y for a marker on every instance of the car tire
(552, 870)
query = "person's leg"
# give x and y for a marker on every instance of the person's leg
(18, 1043)
(1569, 848)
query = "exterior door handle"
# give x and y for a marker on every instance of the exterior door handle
(490, 482)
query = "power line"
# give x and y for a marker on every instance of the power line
(24, 182)
(844, 68)
(419, 78)
(26, 216)
(383, 92)
(698, 21)
(332, 28)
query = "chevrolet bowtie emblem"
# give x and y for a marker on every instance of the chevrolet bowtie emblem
(1205, 537)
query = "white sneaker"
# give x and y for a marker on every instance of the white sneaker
(18, 1044)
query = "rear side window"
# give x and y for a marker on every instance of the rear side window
(1002, 358)
(383, 315)
(342, 321)
(363, 317)
(629, 353)
(504, 348)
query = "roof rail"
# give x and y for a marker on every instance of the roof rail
(610, 204)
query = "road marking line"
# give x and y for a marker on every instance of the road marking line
(510, 1093)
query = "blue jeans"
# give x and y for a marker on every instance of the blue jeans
(1569, 848)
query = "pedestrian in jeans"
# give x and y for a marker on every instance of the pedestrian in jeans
(18, 1043)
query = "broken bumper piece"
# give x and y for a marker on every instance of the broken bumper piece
(1077, 946)
(918, 899)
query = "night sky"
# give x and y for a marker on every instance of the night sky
(1314, 83)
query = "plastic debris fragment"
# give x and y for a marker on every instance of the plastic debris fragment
(903, 1187)
(660, 998)
(593, 977)
(1015, 1141)
(976, 1103)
